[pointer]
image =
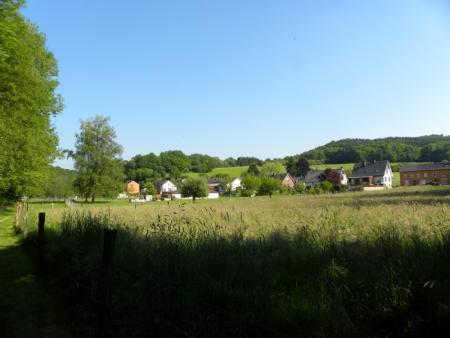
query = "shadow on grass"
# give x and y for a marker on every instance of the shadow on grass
(175, 282)
(27, 307)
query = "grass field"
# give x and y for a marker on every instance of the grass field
(343, 265)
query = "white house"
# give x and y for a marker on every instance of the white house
(376, 174)
(165, 186)
(236, 184)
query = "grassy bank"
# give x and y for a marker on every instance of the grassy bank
(354, 264)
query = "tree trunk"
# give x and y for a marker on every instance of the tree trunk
(93, 199)
(193, 198)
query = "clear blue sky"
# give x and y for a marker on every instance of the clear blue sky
(249, 77)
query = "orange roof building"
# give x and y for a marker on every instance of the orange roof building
(133, 188)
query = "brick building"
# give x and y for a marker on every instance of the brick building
(420, 174)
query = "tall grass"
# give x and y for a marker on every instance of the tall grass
(374, 265)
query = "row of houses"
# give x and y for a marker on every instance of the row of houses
(166, 189)
(373, 175)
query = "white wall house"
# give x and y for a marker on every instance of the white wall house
(166, 186)
(236, 184)
(372, 174)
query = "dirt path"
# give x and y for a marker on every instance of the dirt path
(27, 306)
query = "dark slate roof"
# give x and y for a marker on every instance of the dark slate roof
(214, 180)
(313, 175)
(425, 166)
(375, 168)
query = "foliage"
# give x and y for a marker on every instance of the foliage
(99, 170)
(149, 188)
(27, 102)
(250, 184)
(60, 183)
(299, 187)
(253, 169)
(326, 186)
(395, 149)
(195, 187)
(269, 185)
(203, 163)
(333, 176)
(246, 161)
(272, 168)
(297, 166)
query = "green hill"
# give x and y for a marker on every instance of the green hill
(430, 148)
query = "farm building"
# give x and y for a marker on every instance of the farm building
(371, 175)
(420, 174)
(286, 180)
(133, 188)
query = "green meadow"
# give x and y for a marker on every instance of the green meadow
(342, 265)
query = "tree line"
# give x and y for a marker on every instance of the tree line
(431, 148)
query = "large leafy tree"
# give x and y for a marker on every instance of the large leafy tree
(195, 187)
(97, 159)
(27, 103)
(269, 185)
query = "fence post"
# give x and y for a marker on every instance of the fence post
(104, 288)
(41, 240)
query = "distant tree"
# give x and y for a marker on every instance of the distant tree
(250, 184)
(253, 169)
(60, 183)
(175, 163)
(302, 167)
(272, 168)
(28, 101)
(195, 187)
(242, 161)
(99, 170)
(299, 187)
(268, 186)
(331, 176)
(148, 188)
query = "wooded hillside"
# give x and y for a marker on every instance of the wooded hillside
(430, 148)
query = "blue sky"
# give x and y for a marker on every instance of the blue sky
(249, 77)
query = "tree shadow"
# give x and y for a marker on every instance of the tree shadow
(307, 284)
(27, 307)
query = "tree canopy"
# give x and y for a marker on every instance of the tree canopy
(195, 187)
(99, 169)
(28, 100)
(432, 148)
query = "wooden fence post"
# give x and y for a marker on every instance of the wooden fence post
(41, 240)
(104, 288)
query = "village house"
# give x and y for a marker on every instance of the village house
(133, 188)
(215, 188)
(236, 184)
(421, 174)
(371, 176)
(286, 180)
(167, 190)
(314, 177)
